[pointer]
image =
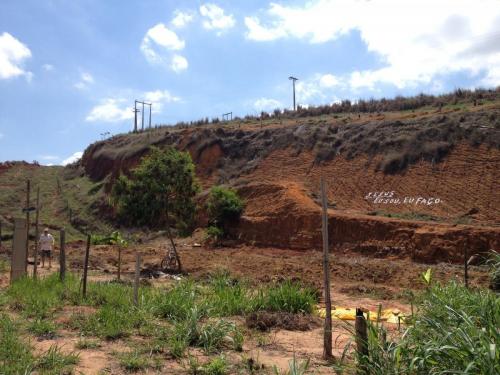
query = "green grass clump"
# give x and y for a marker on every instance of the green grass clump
(54, 361)
(229, 296)
(289, 297)
(133, 361)
(15, 355)
(455, 331)
(216, 366)
(42, 327)
(84, 343)
(178, 303)
(40, 298)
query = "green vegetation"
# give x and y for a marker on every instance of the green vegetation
(16, 355)
(455, 331)
(188, 314)
(494, 263)
(294, 367)
(64, 198)
(223, 207)
(160, 191)
(114, 238)
(216, 366)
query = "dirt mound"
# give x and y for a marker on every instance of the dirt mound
(284, 216)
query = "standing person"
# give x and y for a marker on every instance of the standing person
(46, 243)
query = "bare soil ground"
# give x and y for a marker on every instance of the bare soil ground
(357, 281)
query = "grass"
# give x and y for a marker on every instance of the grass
(185, 315)
(59, 192)
(133, 361)
(216, 366)
(42, 327)
(455, 331)
(84, 343)
(16, 355)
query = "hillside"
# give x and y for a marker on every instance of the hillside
(67, 200)
(438, 160)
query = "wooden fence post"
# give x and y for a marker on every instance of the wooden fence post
(136, 279)
(0, 234)
(62, 255)
(466, 265)
(28, 191)
(327, 334)
(360, 328)
(86, 266)
(37, 232)
(119, 262)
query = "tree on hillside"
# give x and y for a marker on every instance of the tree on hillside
(159, 193)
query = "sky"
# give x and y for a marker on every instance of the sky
(70, 70)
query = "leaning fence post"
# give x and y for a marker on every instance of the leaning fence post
(136, 279)
(85, 267)
(360, 328)
(62, 255)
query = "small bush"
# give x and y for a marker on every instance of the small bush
(223, 206)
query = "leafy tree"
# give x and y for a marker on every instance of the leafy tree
(223, 206)
(159, 193)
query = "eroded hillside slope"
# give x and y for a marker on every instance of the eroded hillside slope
(440, 165)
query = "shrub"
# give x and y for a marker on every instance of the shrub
(223, 206)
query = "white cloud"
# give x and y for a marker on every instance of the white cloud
(157, 45)
(86, 80)
(48, 67)
(181, 19)
(266, 104)
(110, 110)
(121, 109)
(13, 54)
(415, 41)
(179, 63)
(71, 159)
(215, 18)
(158, 98)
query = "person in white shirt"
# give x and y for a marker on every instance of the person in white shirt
(46, 244)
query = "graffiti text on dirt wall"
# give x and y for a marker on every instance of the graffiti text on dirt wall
(391, 197)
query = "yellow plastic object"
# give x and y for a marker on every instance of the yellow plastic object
(341, 313)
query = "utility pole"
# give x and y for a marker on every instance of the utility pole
(135, 110)
(142, 116)
(135, 116)
(150, 115)
(293, 79)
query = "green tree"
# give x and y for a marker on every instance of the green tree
(223, 206)
(159, 193)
